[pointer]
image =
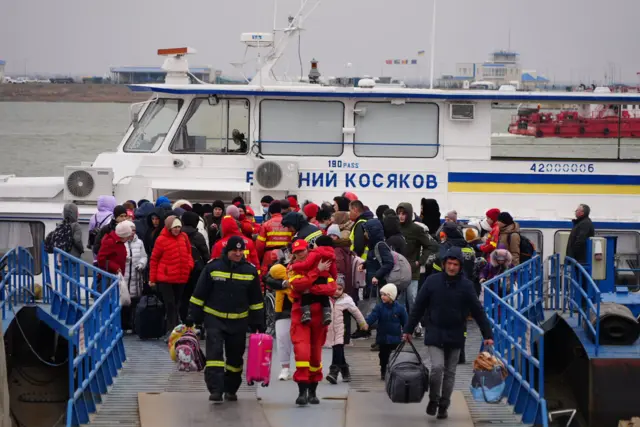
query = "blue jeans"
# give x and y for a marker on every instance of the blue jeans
(408, 297)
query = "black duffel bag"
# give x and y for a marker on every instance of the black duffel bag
(407, 378)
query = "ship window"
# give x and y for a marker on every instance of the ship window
(29, 235)
(214, 128)
(149, 133)
(535, 236)
(301, 128)
(384, 129)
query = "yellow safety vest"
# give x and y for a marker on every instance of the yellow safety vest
(352, 237)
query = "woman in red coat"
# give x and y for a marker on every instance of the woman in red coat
(308, 338)
(170, 266)
(112, 256)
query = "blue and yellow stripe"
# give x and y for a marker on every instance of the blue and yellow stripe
(480, 182)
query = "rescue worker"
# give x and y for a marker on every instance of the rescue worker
(296, 223)
(229, 300)
(229, 228)
(308, 338)
(273, 235)
(493, 237)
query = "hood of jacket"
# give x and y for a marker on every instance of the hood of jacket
(511, 228)
(163, 200)
(342, 243)
(106, 204)
(229, 227)
(189, 230)
(70, 212)
(408, 208)
(503, 253)
(391, 225)
(190, 218)
(366, 215)
(295, 220)
(456, 253)
(325, 251)
(341, 217)
(143, 211)
(374, 229)
(157, 212)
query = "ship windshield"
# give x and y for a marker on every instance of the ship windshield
(151, 130)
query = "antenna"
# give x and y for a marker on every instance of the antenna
(509, 40)
(433, 43)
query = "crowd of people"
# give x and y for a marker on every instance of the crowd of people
(212, 265)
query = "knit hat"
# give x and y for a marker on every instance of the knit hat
(266, 199)
(275, 207)
(334, 230)
(391, 290)
(162, 200)
(492, 214)
(452, 215)
(172, 221)
(233, 211)
(130, 213)
(278, 271)
(237, 200)
(470, 234)
(124, 229)
(299, 245)
(293, 203)
(191, 219)
(234, 242)
(324, 241)
(311, 210)
(505, 218)
(217, 204)
(119, 210)
(350, 196)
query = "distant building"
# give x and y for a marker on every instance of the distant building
(502, 68)
(2, 64)
(136, 75)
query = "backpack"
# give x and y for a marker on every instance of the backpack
(94, 233)
(359, 277)
(188, 353)
(527, 248)
(400, 275)
(198, 262)
(61, 238)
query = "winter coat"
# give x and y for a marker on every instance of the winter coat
(393, 236)
(215, 233)
(392, 320)
(229, 227)
(283, 300)
(113, 254)
(106, 229)
(358, 243)
(435, 264)
(430, 215)
(578, 238)
(171, 260)
(70, 215)
(152, 233)
(344, 262)
(510, 238)
(106, 204)
(447, 302)
(136, 263)
(342, 220)
(141, 215)
(319, 253)
(272, 235)
(304, 230)
(335, 333)
(492, 268)
(380, 268)
(420, 245)
(492, 239)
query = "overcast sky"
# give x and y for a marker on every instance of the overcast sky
(562, 39)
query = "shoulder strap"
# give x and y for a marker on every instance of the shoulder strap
(103, 220)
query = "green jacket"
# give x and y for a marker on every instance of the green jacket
(420, 245)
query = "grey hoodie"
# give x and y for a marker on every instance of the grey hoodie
(70, 214)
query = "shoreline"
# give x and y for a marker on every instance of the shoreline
(77, 92)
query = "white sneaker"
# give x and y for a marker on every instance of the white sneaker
(284, 374)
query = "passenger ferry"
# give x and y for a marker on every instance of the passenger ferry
(203, 142)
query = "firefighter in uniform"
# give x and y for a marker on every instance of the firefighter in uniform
(295, 222)
(273, 235)
(229, 298)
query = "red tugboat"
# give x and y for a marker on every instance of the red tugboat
(603, 121)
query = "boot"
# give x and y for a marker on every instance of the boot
(442, 413)
(334, 371)
(303, 398)
(326, 315)
(216, 397)
(346, 375)
(306, 314)
(313, 399)
(231, 397)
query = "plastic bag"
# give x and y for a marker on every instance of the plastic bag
(125, 297)
(176, 334)
(489, 373)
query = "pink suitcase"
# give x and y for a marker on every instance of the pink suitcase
(259, 359)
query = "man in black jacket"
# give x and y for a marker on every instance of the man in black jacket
(229, 298)
(301, 227)
(580, 233)
(446, 298)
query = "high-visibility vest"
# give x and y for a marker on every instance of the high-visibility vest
(352, 237)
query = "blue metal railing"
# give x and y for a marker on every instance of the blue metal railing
(555, 297)
(17, 286)
(522, 288)
(582, 296)
(519, 342)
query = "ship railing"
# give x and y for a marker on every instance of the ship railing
(17, 285)
(554, 293)
(518, 341)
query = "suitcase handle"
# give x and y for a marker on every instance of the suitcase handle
(399, 349)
